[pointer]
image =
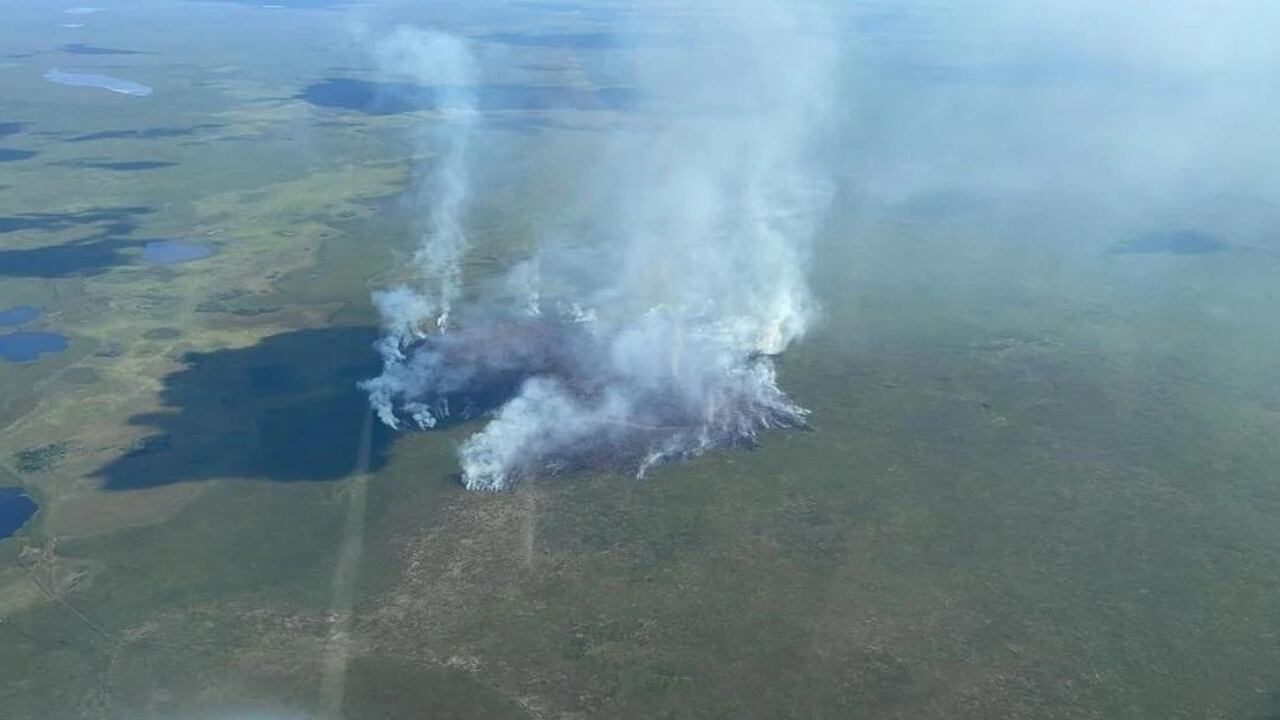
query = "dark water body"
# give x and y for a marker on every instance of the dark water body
(1180, 242)
(79, 258)
(16, 508)
(155, 133)
(10, 154)
(83, 49)
(18, 315)
(169, 252)
(286, 409)
(390, 98)
(110, 220)
(106, 82)
(24, 346)
(11, 128)
(122, 166)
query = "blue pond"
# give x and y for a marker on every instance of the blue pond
(18, 315)
(1175, 242)
(168, 252)
(106, 82)
(16, 508)
(21, 347)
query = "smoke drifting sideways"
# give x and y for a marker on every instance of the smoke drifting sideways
(650, 337)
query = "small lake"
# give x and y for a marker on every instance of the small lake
(22, 347)
(16, 508)
(106, 82)
(11, 154)
(169, 252)
(18, 315)
(1176, 242)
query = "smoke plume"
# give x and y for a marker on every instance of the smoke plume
(649, 337)
(441, 65)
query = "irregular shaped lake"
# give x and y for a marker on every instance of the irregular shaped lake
(9, 154)
(18, 315)
(21, 347)
(106, 82)
(16, 508)
(169, 252)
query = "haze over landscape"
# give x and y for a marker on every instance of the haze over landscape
(623, 359)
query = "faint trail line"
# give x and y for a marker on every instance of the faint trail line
(57, 598)
(333, 684)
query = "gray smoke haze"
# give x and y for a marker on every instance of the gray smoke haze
(444, 64)
(649, 337)
(1117, 101)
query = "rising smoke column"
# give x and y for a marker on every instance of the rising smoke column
(696, 248)
(442, 66)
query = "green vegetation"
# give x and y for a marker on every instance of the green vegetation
(41, 458)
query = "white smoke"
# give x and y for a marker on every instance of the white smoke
(443, 66)
(695, 252)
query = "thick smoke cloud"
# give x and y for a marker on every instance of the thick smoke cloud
(650, 337)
